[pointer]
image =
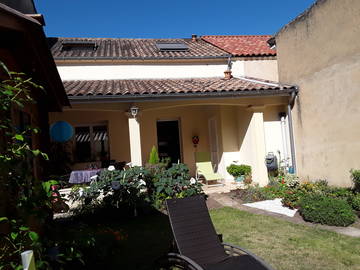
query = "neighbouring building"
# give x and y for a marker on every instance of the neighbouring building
(319, 52)
(23, 48)
(128, 95)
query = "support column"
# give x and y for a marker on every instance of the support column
(259, 172)
(135, 141)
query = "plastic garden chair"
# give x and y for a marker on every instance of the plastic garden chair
(204, 168)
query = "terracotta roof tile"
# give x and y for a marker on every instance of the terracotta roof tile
(242, 45)
(203, 86)
(122, 48)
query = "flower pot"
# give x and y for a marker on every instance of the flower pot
(240, 178)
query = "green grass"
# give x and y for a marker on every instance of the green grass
(285, 245)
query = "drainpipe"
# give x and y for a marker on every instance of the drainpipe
(291, 131)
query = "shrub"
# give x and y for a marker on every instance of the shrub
(174, 182)
(134, 186)
(154, 156)
(292, 197)
(291, 180)
(355, 202)
(238, 170)
(326, 210)
(355, 176)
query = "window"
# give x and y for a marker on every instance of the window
(91, 143)
(172, 47)
(78, 45)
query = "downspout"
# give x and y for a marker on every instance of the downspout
(291, 131)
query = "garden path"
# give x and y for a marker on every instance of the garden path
(223, 199)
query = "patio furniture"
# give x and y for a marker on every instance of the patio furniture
(197, 244)
(83, 176)
(204, 169)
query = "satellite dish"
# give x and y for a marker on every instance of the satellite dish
(61, 131)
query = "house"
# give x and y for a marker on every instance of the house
(23, 48)
(128, 95)
(319, 51)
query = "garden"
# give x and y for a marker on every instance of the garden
(119, 220)
(316, 201)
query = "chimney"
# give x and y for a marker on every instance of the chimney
(194, 37)
(228, 75)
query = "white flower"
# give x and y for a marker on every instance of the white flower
(142, 182)
(111, 168)
(94, 177)
(192, 181)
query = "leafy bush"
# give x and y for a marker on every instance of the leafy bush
(174, 182)
(254, 194)
(355, 176)
(292, 197)
(291, 180)
(137, 185)
(238, 170)
(355, 202)
(154, 156)
(326, 210)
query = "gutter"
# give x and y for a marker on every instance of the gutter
(293, 95)
(141, 58)
(181, 96)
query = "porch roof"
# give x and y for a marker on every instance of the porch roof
(201, 87)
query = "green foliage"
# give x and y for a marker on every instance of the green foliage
(355, 176)
(174, 183)
(16, 155)
(25, 196)
(290, 180)
(238, 170)
(254, 194)
(14, 241)
(154, 156)
(136, 185)
(326, 210)
(292, 197)
(354, 201)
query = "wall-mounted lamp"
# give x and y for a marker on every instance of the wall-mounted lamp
(134, 111)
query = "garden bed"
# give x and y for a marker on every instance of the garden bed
(317, 201)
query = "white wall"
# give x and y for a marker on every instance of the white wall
(262, 69)
(141, 71)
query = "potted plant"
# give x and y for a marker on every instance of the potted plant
(239, 172)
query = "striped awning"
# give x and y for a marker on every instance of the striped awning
(85, 136)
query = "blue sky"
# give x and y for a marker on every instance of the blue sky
(166, 19)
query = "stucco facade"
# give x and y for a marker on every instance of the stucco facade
(243, 129)
(320, 52)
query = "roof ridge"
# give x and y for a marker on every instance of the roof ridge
(154, 79)
(113, 38)
(237, 36)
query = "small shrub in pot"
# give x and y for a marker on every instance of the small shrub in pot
(239, 170)
(326, 210)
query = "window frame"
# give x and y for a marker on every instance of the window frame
(92, 143)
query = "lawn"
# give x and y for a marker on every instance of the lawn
(134, 243)
(285, 245)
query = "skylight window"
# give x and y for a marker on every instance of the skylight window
(172, 47)
(78, 45)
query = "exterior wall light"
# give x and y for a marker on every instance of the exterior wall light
(134, 111)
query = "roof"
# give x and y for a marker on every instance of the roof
(125, 48)
(242, 45)
(172, 87)
(38, 60)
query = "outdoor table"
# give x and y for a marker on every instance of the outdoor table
(83, 176)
